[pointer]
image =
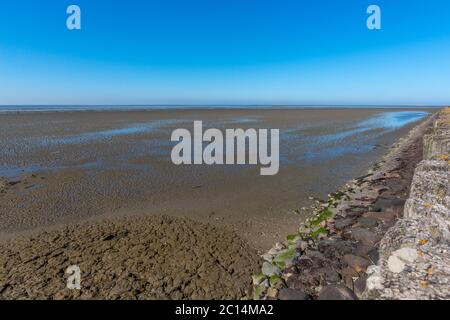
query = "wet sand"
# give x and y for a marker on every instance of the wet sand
(98, 190)
(67, 167)
(154, 257)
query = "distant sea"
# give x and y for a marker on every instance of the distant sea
(62, 108)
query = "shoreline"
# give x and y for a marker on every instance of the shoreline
(95, 231)
(5, 110)
(82, 165)
(328, 258)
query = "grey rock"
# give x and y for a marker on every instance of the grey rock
(303, 245)
(315, 255)
(375, 281)
(349, 272)
(367, 222)
(363, 249)
(337, 292)
(374, 256)
(335, 248)
(409, 255)
(356, 262)
(264, 283)
(267, 257)
(273, 251)
(395, 264)
(365, 236)
(399, 259)
(292, 294)
(331, 275)
(388, 215)
(269, 269)
(348, 281)
(343, 223)
(384, 204)
(359, 285)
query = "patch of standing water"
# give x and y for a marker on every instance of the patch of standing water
(393, 120)
(357, 139)
(107, 134)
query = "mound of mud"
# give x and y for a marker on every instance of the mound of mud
(3, 184)
(156, 257)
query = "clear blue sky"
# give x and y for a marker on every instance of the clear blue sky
(225, 52)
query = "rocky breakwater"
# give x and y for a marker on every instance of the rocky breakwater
(334, 252)
(415, 253)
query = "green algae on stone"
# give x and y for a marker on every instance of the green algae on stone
(338, 195)
(322, 216)
(317, 232)
(258, 291)
(276, 282)
(258, 278)
(292, 238)
(285, 257)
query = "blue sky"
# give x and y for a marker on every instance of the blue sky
(225, 52)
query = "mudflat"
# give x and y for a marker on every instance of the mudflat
(153, 257)
(98, 190)
(62, 168)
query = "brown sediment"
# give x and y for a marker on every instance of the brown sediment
(156, 257)
(131, 174)
(119, 253)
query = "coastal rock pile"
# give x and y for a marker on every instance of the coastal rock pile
(336, 251)
(415, 253)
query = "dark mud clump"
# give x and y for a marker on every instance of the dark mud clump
(3, 185)
(156, 257)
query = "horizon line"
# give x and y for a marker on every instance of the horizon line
(226, 105)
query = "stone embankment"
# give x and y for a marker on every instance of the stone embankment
(358, 236)
(415, 253)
